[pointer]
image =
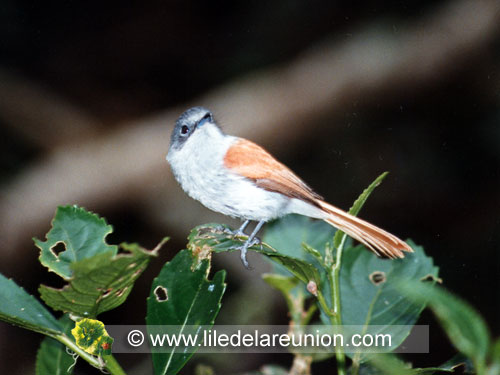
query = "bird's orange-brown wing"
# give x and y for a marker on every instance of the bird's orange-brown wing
(253, 162)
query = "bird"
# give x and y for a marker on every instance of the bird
(239, 178)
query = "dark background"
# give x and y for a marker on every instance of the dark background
(339, 91)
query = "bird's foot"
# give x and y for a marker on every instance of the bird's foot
(244, 249)
(256, 241)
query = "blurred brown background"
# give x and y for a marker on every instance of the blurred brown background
(338, 90)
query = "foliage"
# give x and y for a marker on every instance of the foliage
(99, 279)
(465, 328)
(82, 234)
(25, 311)
(52, 358)
(377, 304)
(183, 297)
(99, 283)
(313, 266)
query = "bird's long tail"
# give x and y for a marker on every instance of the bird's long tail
(376, 239)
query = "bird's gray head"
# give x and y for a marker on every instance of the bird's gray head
(187, 123)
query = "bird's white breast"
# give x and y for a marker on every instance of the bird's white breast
(199, 168)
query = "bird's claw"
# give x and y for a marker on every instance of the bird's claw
(244, 250)
(244, 260)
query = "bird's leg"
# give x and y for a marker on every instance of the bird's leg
(252, 240)
(241, 230)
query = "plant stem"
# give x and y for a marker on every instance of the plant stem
(334, 312)
(309, 314)
(336, 317)
(111, 364)
(323, 304)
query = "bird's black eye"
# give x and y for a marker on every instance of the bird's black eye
(184, 130)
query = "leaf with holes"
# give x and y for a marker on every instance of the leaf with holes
(182, 296)
(24, 310)
(207, 238)
(80, 233)
(215, 237)
(370, 296)
(100, 283)
(52, 357)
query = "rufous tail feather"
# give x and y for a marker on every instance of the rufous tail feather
(376, 239)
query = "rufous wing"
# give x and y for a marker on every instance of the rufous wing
(253, 162)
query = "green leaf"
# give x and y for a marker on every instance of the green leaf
(100, 283)
(182, 296)
(207, 238)
(285, 284)
(370, 295)
(314, 253)
(23, 310)
(495, 358)
(459, 363)
(383, 364)
(305, 272)
(282, 283)
(389, 364)
(465, 328)
(52, 357)
(289, 234)
(358, 204)
(215, 237)
(83, 235)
